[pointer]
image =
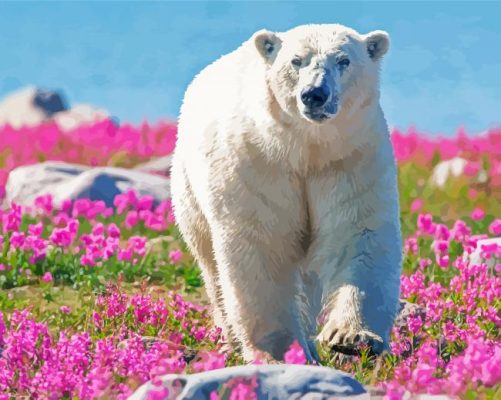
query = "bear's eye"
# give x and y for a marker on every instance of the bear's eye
(343, 63)
(296, 62)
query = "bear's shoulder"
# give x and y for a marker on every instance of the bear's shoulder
(228, 87)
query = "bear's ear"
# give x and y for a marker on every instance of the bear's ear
(377, 43)
(268, 44)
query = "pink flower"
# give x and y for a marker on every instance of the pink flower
(443, 261)
(44, 203)
(65, 309)
(61, 237)
(441, 246)
(47, 277)
(145, 202)
(17, 239)
(411, 245)
(477, 214)
(88, 260)
(243, 391)
(488, 250)
(423, 375)
(131, 197)
(35, 229)
(460, 231)
(209, 361)
(97, 319)
(80, 207)
(153, 221)
(495, 227)
(472, 193)
(11, 220)
(414, 324)
(137, 244)
(295, 354)
(113, 230)
(416, 205)
(442, 232)
(66, 205)
(472, 168)
(121, 203)
(425, 223)
(98, 229)
(131, 219)
(73, 225)
(175, 256)
(161, 393)
(424, 262)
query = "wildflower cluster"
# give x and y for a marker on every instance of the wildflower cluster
(100, 143)
(97, 300)
(80, 240)
(453, 346)
(110, 357)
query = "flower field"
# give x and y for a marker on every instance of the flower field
(95, 301)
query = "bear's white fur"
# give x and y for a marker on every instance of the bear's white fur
(292, 212)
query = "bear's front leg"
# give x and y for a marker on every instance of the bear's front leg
(259, 294)
(362, 298)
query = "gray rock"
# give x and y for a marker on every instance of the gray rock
(275, 382)
(453, 168)
(80, 114)
(30, 106)
(406, 310)
(49, 101)
(148, 341)
(159, 165)
(447, 169)
(73, 181)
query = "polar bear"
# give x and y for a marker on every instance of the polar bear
(284, 187)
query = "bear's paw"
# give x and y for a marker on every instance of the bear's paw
(349, 340)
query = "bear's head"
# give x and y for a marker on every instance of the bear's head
(318, 72)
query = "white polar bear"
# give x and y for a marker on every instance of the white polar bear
(284, 188)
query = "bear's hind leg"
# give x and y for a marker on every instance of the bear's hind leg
(259, 296)
(196, 233)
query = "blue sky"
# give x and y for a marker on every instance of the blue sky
(136, 58)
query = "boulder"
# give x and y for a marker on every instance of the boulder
(448, 168)
(74, 181)
(406, 309)
(159, 166)
(453, 168)
(31, 106)
(274, 382)
(79, 114)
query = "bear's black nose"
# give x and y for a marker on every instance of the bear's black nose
(314, 97)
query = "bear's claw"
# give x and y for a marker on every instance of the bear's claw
(350, 340)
